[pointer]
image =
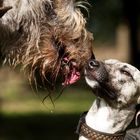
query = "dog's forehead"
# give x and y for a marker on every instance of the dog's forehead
(112, 61)
(118, 64)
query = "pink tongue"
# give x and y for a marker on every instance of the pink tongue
(75, 76)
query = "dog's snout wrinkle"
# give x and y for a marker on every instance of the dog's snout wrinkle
(102, 74)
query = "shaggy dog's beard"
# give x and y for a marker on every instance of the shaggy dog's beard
(45, 37)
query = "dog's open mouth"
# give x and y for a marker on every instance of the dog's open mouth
(72, 77)
(71, 73)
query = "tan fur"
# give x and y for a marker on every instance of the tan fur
(38, 34)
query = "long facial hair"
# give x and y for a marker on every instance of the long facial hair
(45, 37)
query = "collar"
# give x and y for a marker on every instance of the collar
(84, 130)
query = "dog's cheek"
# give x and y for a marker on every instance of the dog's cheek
(127, 94)
(91, 83)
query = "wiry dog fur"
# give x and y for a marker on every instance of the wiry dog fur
(44, 36)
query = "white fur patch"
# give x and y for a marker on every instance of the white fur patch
(99, 120)
(91, 83)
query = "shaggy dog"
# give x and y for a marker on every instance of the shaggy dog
(45, 37)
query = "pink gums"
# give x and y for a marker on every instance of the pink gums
(73, 77)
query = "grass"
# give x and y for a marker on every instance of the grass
(29, 119)
(23, 116)
(39, 127)
(72, 101)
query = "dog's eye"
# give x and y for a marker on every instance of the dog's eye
(126, 73)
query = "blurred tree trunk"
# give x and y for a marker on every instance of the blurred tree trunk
(131, 13)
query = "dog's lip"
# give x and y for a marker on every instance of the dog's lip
(72, 77)
(71, 73)
(89, 75)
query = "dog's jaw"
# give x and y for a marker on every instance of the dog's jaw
(92, 83)
(72, 77)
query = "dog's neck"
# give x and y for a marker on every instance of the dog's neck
(104, 118)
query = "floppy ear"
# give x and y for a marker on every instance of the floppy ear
(137, 116)
(3, 10)
(138, 93)
(138, 101)
(138, 98)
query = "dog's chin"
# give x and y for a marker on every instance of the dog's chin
(100, 90)
(92, 83)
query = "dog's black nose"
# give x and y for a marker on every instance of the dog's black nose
(93, 63)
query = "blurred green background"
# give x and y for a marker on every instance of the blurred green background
(23, 115)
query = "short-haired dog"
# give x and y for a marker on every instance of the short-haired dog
(117, 88)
